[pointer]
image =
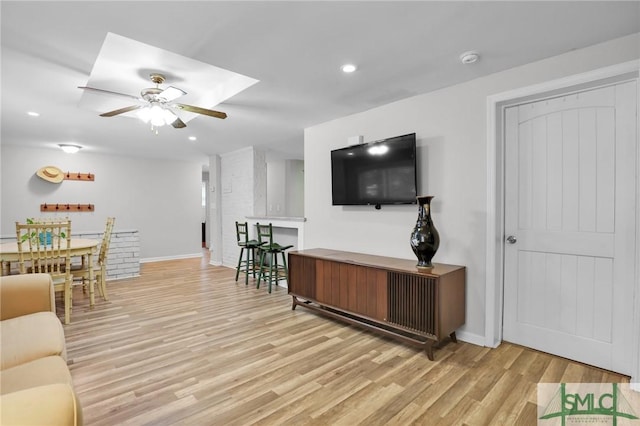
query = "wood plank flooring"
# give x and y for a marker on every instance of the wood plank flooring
(184, 344)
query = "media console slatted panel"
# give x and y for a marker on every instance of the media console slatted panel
(383, 294)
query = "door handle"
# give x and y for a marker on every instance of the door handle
(511, 239)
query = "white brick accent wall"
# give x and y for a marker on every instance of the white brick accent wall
(123, 260)
(243, 176)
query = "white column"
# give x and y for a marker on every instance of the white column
(215, 211)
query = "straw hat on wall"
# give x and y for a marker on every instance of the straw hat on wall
(51, 174)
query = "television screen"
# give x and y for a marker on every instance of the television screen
(375, 173)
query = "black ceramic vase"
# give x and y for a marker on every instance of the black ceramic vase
(425, 239)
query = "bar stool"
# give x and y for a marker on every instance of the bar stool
(272, 273)
(249, 263)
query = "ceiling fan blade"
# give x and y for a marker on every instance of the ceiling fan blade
(120, 111)
(171, 93)
(108, 92)
(178, 124)
(203, 111)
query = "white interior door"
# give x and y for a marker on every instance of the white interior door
(570, 201)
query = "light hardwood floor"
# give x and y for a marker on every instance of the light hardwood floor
(184, 344)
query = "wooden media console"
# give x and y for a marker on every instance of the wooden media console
(386, 295)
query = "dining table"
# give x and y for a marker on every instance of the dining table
(80, 247)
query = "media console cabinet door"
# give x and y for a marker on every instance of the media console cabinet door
(358, 289)
(302, 276)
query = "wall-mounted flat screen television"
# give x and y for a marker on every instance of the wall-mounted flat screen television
(375, 173)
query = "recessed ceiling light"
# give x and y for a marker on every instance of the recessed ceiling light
(33, 114)
(469, 57)
(192, 138)
(69, 148)
(349, 68)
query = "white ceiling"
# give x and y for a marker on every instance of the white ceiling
(294, 49)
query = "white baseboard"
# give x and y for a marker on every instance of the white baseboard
(474, 339)
(122, 278)
(160, 259)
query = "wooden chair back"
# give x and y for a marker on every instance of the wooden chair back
(265, 234)
(44, 248)
(242, 233)
(106, 241)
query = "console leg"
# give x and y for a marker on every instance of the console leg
(429, 350)
(294, 304)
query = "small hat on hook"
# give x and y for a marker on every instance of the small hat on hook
(51, 174)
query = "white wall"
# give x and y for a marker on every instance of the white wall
(161, 199)
(276, 187)
(450, 125)
(295, 188)
(285, 188)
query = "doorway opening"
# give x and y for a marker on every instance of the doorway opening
(205, 208)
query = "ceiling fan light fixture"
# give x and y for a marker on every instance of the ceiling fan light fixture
(69, 148)
(144, 114)
(157, 115)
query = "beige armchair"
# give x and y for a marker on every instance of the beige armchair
(35, 383)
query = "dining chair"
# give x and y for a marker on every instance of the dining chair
(8, 267)
(81, 271)
(269, 269)
(247, 260)
(46, 248)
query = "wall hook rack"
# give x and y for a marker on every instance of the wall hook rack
(66, 207)
(79, 176)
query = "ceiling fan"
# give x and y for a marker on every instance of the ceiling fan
(157, 104)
